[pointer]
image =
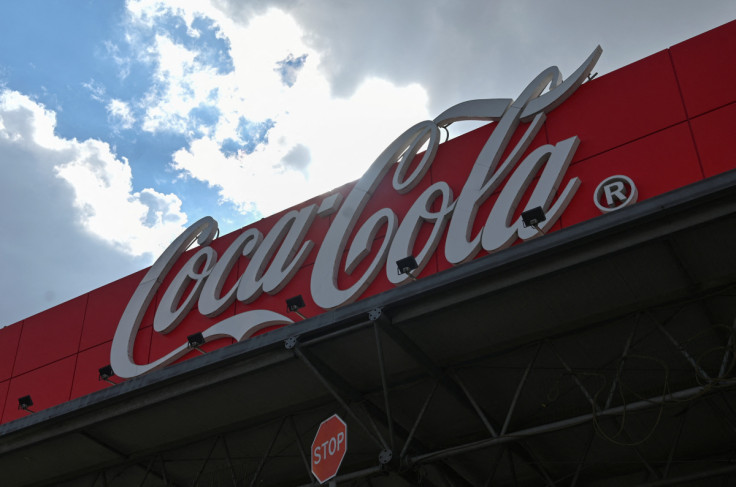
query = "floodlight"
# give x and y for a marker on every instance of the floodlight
(295, 304)
(105, 373)
(25, 403)
(407, 265)
(195, 341)
(533, 217)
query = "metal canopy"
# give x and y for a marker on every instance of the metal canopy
(601, 354)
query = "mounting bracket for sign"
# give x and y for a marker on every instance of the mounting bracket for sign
(290, 342)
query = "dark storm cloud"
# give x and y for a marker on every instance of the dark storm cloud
(47, 257)
(468, 49)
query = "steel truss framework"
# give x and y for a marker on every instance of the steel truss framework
(602, 407)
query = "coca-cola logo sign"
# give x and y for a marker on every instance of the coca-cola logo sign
(275, 257)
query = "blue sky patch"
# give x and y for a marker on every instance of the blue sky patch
(289, 68)
(206, 115)
(253, 133)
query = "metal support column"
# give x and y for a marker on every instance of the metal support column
(257, 473)
(328, 385)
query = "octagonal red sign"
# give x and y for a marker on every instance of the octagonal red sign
(329, 447)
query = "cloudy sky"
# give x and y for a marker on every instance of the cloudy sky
(122, 121)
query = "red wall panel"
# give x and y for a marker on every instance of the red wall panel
(3, 396)
(9, 339)
(706, 70)
(89, 361)
(106, 306)
(86, 374)
(50, 335)
(621, 106)
(714, 134)
(48, 386)
(658, 163)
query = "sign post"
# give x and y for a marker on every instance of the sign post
(328, 448)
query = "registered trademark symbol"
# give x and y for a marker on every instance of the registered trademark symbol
(615, 193)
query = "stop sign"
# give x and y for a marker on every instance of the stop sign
(329, 447)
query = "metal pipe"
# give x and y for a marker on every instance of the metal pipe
(300, 447)
(384, 383)
(350, 476)
(229, 462)
(328, 386)
(419, 418)
(148, 469)
(563, 424)
(684, 353)
(671, 456)
(536, 463)
(512, 407)
(257, 473)
(652, 471)
(375, 427)
(625, 354)
(335, 334)
(579, 468)
(475, 405)
(163, 471)
(204, 464)
(689, 478)
(580, 385)
(494, 465)
(724, 362)
(512, 468)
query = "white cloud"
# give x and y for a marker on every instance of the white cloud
(339, 137)
(136, 222)
(102, 183)
(181, 84)
(72, 204)
(365, 72)
(120, 114)
(253, 183)
(121, 61)
(315, 141)
(96, 90)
